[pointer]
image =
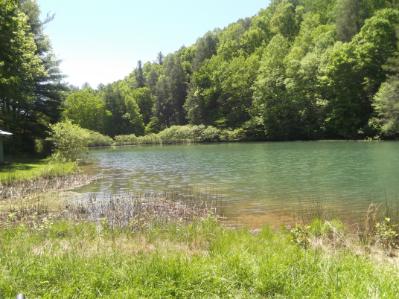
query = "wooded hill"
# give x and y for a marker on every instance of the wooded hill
(299, 69)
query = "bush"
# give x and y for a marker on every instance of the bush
(387, 234)
(98, 139)
(232, 135)
(210, 134)
(70, 141)
(177, 134)
(184, 134)
(126, 139)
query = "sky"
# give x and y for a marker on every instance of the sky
(100, 41)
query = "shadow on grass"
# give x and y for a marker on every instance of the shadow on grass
(19, 164)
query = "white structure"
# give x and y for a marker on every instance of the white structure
(2, 135)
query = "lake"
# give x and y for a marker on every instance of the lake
(259, 183)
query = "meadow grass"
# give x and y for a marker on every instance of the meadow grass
(34, 169)
(183, 134)
(61, 259)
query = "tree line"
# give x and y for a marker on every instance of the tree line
(299, 69)
(31, 88)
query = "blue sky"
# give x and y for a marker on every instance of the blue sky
(100, 41)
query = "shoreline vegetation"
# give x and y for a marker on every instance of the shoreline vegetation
(31, 169)
(159, 246)
(30, 177)
(174, 135)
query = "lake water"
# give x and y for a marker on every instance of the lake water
(259, 183)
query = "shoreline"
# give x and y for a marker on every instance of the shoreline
(44, 185)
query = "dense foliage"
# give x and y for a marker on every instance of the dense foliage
(30, 82)
(183, 134)
(71, 141)
(299, 69)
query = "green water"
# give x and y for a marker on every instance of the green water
(259, 182)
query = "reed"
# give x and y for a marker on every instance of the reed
(140, 211)
(14, 189)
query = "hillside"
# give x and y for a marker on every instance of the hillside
(297, 70)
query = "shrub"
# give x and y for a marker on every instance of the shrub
(301, 235)
(149, 139)
(183, 134)
(126, 139)
(177, 134)
(210, 134)
(387, 234)
(98, 139)
(70, 141)
(232, 135)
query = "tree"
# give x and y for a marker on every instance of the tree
(145, 101)
(49, 88)
(205, 48)
(302, 72)
(160, 58)
(285, 20)
(171, 92)
(353, 72)
(139, 75)
(386, 101)
(348, 19)
(201, 104)
(21, 68)
(272, 101)
(386, 105)
(235, 98)
(87, 109)
(230, 39)
(125, 112)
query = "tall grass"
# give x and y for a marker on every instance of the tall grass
(200, 260)
(57, 248)
(183, 134)
(25, 171)
(98, 139)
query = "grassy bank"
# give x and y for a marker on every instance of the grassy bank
(26, 170)
(132, 247)
(31, 178)
(184, 134)
(171, 135)
(66, 134)
(202, 259)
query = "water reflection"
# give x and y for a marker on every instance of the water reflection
(259, 180)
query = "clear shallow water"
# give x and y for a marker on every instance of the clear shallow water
(259, 182)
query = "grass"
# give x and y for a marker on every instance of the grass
(184, 134)
(34, 169)
(202, 259)
(133, 247)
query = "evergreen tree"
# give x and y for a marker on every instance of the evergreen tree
(139, 75)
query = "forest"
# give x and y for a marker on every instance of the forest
(298, 70)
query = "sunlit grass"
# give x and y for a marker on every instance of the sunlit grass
(203, 259)
(30, 170)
